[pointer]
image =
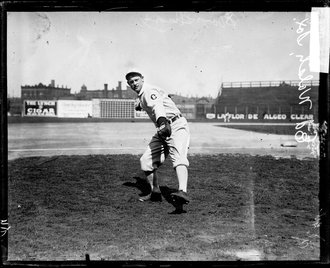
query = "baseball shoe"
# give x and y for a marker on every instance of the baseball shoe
(153, 196)
(180, 197)
(145, 197)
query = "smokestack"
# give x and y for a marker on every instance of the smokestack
(119, 85)
(106, 90)
(52, 83)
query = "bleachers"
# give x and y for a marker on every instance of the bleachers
(268, 97)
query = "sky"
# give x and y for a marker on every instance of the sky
(186, 53)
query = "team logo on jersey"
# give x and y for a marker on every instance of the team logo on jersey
(153, 96)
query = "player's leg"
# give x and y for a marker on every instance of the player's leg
(178, 150)
(152, 158)
(154, 194)
(152, 178)
(181, 195)
(182, 175)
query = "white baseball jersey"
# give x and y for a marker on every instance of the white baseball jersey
(157, 103)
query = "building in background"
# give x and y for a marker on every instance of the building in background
(86, 94)
(204, 106)
(14, 106)
(44, 92)
(105, 93)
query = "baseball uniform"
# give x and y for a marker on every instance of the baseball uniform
(157, 103)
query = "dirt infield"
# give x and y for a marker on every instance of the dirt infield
(244, 207)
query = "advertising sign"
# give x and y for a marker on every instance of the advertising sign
(40, 108)
(210, 116)
(227, 117)
(74, 108)
(301, 117)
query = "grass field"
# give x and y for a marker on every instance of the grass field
(243, 208)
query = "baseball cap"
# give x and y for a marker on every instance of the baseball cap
(133, 73)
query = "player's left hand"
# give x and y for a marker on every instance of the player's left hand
(164, 130)
(137, 105)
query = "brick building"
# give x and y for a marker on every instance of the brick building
(105, 93)
(44, 92)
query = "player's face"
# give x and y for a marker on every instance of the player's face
(136, 83)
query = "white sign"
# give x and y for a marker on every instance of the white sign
(227, 116)
(302, 117)
(210, 116)
(74, 108)
(275, 116)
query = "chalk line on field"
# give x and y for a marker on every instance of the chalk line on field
(72, 149)
(252, 208)
(249, 255)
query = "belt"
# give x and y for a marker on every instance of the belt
(174, 118)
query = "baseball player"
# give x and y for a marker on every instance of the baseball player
(170, 140)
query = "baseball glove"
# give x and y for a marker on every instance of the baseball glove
(137, 105)
(164, 128)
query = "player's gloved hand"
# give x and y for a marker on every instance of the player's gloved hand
(164, 128)
(137, 105)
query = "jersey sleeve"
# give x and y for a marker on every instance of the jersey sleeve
(154, 100)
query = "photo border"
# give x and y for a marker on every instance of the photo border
(195, 6)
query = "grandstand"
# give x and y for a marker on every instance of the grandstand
(269, 98)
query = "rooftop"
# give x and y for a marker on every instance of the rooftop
(294, 83)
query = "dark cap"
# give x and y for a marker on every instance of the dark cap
(131, 74)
